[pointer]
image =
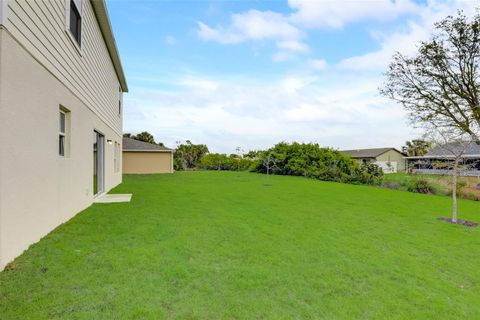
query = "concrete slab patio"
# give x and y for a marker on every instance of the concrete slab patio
(111, 198)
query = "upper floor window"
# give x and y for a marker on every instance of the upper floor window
(75, 21)
(62, 135)
(119, 101)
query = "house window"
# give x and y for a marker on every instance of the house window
(75, 21)
(119, 101)
(116, 158)
(62, 134)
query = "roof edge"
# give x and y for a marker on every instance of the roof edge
(101, 13)
(386, 149)
(147, 150)
(399, 151)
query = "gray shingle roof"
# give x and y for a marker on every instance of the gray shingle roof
(366, 153)
(135, 145)
(454, 149)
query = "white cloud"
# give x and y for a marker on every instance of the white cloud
(337, 107)
(338, 112)
(286, 30)
(219, 35)
(318, 64)
(306, 112)
(406, 41)
(198, 83)
(293, 45)
(282, 56)
(292, 84)
(289, 49)
(257, 25)
(328, 13)
(251, 25)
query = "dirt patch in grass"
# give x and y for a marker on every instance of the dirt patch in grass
(462, 222)
(11, 266)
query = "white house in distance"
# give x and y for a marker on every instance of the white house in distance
(61, 87)
(390, 160)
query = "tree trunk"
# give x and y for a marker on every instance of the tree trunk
(454, 192)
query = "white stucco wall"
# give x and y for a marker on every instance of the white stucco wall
(39, 189)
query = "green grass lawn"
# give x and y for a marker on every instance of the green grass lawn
(210, 245)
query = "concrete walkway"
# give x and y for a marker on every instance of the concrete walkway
(110, 198)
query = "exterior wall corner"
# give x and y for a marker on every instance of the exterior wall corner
(3, 11)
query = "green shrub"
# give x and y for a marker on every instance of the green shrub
(421, 186)
(187, 155)
(312, 161)
(371, 173)
(220, 161)
(461, 184)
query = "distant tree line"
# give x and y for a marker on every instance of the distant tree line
(187, 155)
(232, 162)
(295, 159)
(143, 136)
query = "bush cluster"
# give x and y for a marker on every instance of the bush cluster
(219, 161)
(310, 160)
(421, 186)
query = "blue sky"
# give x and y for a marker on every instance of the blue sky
(253, 73)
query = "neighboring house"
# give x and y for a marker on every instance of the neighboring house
(61, 87)
(143, 157)
(389, 159)
(439, 160)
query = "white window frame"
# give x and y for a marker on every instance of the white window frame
(66, 134)
(79, 5)
(120, 101)
(62, 134)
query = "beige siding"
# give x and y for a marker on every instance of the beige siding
(147, 162)
(38, 188)
(40, 26)
(391, 156)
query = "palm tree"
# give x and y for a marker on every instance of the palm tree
(416, 147)
(146, 137)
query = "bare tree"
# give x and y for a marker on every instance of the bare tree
(269, 162)
(239, 151)
(452, 146)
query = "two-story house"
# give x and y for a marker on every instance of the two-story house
(61, 87)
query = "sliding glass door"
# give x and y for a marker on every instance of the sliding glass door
(98, 163)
